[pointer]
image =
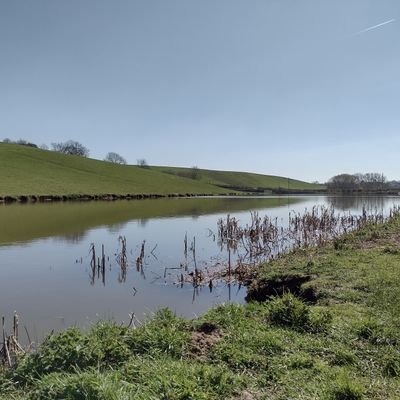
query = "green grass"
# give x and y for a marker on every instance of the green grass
(240, 180)
(30, 171)
(343, 346)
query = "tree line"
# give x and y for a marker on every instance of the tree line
(348, 183)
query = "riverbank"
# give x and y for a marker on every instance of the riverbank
(30, 174)
(337, 338)
(99, 197)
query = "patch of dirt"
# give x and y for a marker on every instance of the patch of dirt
(265, 288)
(245, 396)
(203, 338)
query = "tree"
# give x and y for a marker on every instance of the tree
(344, 183)
(23, 142)
(142, 163)
(369, 182)
(115, 158)
(71, 147)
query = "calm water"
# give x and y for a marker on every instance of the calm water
(45, 269)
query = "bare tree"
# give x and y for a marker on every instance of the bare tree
(44, 146)
(142, 163)
(115, 158)
(71, 147)
(371, 181)
(344, 183)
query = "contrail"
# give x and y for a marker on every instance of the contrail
(376, 26)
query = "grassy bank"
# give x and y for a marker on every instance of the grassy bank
(337, 338)
(26, 171)
(29, 171)
(243, 181)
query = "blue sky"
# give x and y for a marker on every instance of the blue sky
(281, 87)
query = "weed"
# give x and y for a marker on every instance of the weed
(391, 363)
(301, 360)
(376, 333)
(165, 333)
(289, 311)
(346, 388)
(64, 351)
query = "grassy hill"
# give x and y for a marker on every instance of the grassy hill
(25, 170)
(241, 180)
(29, 171)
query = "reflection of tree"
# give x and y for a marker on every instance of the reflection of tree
(74, 238)
(357, 202)
(116, 228)
(143, 222)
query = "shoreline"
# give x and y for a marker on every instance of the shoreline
(7, 199)
(340, 343)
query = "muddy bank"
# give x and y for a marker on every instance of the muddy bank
(96, 197)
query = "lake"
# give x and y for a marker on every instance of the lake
(45, 258)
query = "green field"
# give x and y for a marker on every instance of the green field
(241, 180)
(344, 345)
(29, 171)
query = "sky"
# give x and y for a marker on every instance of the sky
(307, 89)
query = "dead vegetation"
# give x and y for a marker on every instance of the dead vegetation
(10, 348)
(265, 239)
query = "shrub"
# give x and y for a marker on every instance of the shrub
(289, 311)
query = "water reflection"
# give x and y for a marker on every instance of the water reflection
(346, 203)
(49, 271)
(115, 228)
(74, 238)
(64, 220)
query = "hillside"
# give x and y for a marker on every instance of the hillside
(241, 180)
(29, 171)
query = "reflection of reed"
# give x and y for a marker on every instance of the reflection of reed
(140, 260)
(98, 265)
